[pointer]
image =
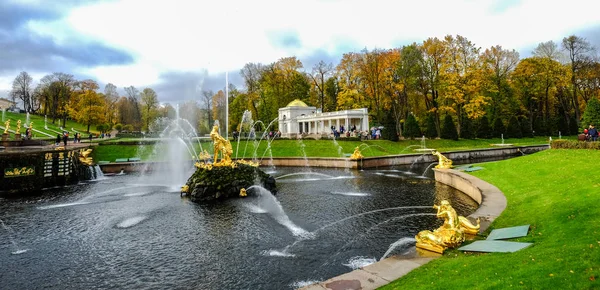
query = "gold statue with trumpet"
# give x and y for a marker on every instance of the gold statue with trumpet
(83, 157)
(450, 235)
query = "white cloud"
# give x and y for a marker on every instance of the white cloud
(222, 36)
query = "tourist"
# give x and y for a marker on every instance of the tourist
(57, 139)
(593, 133)
(90, 137)
(65, 138)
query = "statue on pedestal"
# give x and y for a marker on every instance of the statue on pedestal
(6, 126)
(221, 145)
(356, 155)
(18, 131)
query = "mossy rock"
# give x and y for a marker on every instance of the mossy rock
(221, 183)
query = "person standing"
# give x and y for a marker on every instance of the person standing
(593, 132)
(65, 138)
(57, 139)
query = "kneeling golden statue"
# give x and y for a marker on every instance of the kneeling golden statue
(356, 155)
(450, 235)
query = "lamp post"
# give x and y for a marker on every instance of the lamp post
(226, 106)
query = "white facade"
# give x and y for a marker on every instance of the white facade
(298, 118)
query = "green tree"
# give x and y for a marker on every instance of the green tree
(389, 123)
(498, 128)
(449, 129)
(591, 115)
(431, 131)
(411, 127)
(484, 130)
(466, 130)
(149, 107)
(513, 130)
(526, 127)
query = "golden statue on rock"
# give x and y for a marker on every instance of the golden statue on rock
(356, 155)
(450, 235)
(444, 162)
(84, 159)
(6, 126)
(221, 145)
(18, 131)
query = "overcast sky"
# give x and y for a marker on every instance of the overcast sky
(181, 47)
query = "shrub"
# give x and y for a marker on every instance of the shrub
(498, 128)
(128, 127)
(449, 129)
(389, 131)
(571, 144)
(484, 130)
(119, 127)
(100, 128)
(514, 128)
(411, 127)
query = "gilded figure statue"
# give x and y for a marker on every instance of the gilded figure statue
(221, 145)
(18, 131)
(356, 155)
(6, 126)
(450, 235)
(243, 192)
(84, 159)
(444, 162)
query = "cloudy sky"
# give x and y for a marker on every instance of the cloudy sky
(180, 47)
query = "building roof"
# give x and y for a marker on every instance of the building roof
(7, 100)
(297, 103)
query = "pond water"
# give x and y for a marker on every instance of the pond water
(125, 232)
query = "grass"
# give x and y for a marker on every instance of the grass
(38, 124)
(313, 148)
(557, 193)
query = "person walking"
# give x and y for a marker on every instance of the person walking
(57, 139)
(65, 138)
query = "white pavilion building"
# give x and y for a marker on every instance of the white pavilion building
(297, 118)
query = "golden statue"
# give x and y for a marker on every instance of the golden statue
(18, 131)
(356, 155)
(185, 189)
(221, 145)
(444, 162)
(243, 192)
(450, 235)
(84, 159)
(6, 126)
(247, 162)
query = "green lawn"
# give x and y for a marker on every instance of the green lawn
(313, 148)
(557, 192)
(38, 124)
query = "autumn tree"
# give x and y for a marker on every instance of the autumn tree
(432, 58)
(319, 76)
(133, 97)
(87, 106)
(111, 96)
(21, 89)
(218, 109)
(578, 51)
(149, 101)
(591, 115)
(498, 64)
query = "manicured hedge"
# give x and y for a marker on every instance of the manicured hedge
(570, 144)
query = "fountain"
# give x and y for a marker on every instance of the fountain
(443, 161)
(46, 122)
(423, 147)
(450, 235)
(224, 178)
(3, 113)
(502, 142)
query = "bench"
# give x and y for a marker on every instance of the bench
(121, 160)
(134, 159)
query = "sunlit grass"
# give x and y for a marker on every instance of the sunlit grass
(556, 192)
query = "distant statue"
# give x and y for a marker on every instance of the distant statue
(444, 162)
(84, 159)
(18, 131)
(356, 155)
(221, 145)
(243, 192)
(450, 235)
(6, 126)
